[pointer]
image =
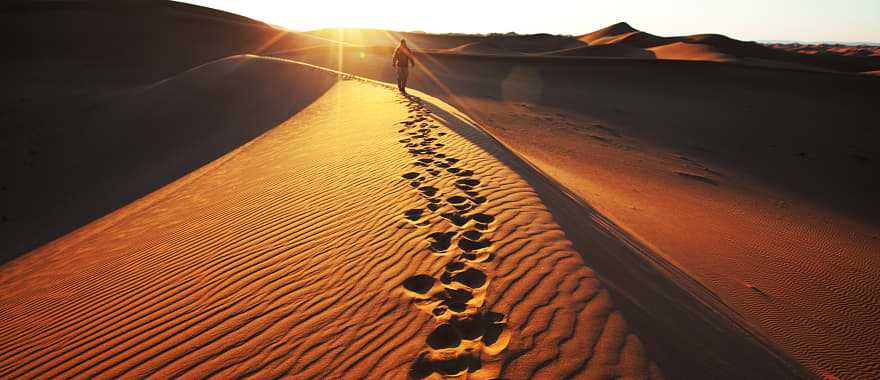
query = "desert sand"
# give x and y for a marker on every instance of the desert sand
(616, 204)
(757, 178)
(360, 238)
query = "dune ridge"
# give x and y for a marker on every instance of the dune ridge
(299, 254)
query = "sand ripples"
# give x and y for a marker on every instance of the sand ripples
(312, 252)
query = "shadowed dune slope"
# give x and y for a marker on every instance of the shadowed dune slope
(74, 71)
(599, 51)
(364, 237)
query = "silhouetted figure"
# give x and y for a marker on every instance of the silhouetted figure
(402, 60)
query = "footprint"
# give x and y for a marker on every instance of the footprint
(473, 235)
(419, 284)
(471, 278)
(478, 200)
(456, 200)
(444, 336)
(472, 245)
(478, 257)
(483, 218)
(453, 170)
(428, 191)
(469, 182)
(451, 159)
(447, 366)
(465, 173)
(413, 214)
(455, 266)
(410, 175)
(441, 241)
(456, 299)
(455, 218)
(495, 338)
(463, 207)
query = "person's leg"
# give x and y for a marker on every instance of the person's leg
(404, 76)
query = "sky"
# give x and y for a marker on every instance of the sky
(803, 20)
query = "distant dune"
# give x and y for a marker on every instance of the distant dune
(177, 203)
(617, 41)
(690, 52)
(480, 48)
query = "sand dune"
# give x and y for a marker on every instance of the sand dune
(726, 213)
(363, 237)
(123, 148)
(617, 51)
(425, 42)
(690, 52)
(480, 48)
(615, 41)
(731, 172)
(622, 33)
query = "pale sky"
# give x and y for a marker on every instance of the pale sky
(804, 20)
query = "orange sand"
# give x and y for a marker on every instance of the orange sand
(691, 218)
(312, 252)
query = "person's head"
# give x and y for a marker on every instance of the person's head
(403, 42)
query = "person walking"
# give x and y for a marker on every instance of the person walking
(402, 60)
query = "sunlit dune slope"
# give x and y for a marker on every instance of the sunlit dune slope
(740, 175)
(364, 237)
(690, 52)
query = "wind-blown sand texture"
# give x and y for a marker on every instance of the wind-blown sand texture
(360, 238)
(691, 188)
(733, 173)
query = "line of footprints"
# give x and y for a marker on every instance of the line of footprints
(466, 330)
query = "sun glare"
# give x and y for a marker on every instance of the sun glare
(811, 20)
